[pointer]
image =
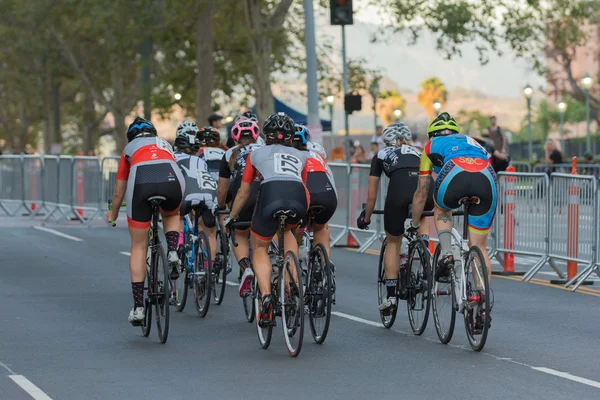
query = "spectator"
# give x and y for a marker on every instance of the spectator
(500, 144)
(359, 155)
(378, 137)
(216, 121)
(489, 147)
(374, 149)
(553, 155)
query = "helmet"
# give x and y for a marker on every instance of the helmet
(301, 135)
(251, 116)
(187, 141)
(279, 127)
(208, 136)
(442, 125)
(185, 127)
(245, 128)
(396, 131)
(140, 127)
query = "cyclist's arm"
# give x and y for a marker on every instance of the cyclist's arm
(223, 186)
(244, 191)
(120, 185)
(374, 176)
(420, 196)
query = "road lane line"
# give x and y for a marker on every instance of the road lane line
(57, 233)
(29, 387)
(568, 376)
(125, 253)
(357, 319)
(232, 283)
(6, 367)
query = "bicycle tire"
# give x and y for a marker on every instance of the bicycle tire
(264, 334)
(147, 325)
(477, 345)
(181, 294)
(442, 290)
(292, 303)
(202, 276)
(318, 292)
(419, 287)
(220, 265)
(248, 303)
(163, 292)
(386, 320)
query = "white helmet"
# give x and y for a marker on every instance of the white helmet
(186, 127)
(396, 131)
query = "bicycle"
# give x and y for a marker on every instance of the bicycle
(414, 282)
(465, 297)
(157, 291)
(195, 257)
(222, 263)
(287, 292)
(248, 302)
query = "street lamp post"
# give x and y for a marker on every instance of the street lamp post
(437, 106)
(330, 101)
(398, 114)
(562, 107)
(586, 84)
(528, 93)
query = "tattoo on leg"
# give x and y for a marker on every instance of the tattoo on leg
(425, 183)
(445, 216)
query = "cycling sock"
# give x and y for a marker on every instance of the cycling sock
(180, 241)
(245, 263)
(138, 294)
(391, 287)
(172, 239)
(445, 237)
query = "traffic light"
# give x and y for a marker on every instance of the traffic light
(352, 102)
(341, 12)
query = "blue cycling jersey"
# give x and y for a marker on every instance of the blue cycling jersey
(439, 150)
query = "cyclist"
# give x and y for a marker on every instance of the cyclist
(400, 163)
(147, 168)
(199, 183)
(244, 133)
(281, 169)
(210, 150)
(463, 169)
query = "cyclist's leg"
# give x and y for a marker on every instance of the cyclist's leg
(207, 225)
(321, 235)
(424, 228)
(261, 263)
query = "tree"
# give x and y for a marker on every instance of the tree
(472, 121)
(432, 89)
(388, 102)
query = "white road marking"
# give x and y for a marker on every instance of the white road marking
(57, 233)
(125, 253)
(232, 283)
(549, 371)
(29, 387)
(6, 367)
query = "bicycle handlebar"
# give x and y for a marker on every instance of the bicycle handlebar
(455, 213)
(233, 226)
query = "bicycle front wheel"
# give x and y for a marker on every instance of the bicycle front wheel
(418, 300)
(249, 303)
(202, 275)
(318, 293)
(292, 303)
(477, 307)
(149, 290)
(220, 266)
(444, 313)
(162, 286)
(387, 317)
(264, 334)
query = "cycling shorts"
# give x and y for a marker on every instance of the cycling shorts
(322, 194)
(402, 186)
(208, 219)
(278, 195)
(459, 179)
(248, 209)
(153, 178)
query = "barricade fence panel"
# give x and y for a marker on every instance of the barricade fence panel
(521, 166)
(50, 180)
(341, 178)
(33, 187)
(109, 168)
(11, 184)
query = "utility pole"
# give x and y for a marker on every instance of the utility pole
(311, 64)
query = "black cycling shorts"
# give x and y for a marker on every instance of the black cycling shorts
(402, 187)
(248, 209)
(153, 178)
(322, 194)
(276, 196)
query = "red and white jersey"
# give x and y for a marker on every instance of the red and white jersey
(145, 150)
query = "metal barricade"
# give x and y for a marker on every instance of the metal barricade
(11, 184)
(33, 183)
(87, 188)
(341, 176)
(521, 166)
(574, 220)
(595, 266)
(108, 178)
(521, 221)
(64, 186)
(50, 183)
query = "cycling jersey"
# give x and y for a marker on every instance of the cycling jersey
(212, 156)
(321, 187)
(391, 159)
(199, 183)
(146, 150)
(225, 171)
(316, 147)
(276, 163)
(464, 150)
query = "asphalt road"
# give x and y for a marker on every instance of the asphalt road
(64, 335)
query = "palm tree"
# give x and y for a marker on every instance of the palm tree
(432, 89)
(388, 102)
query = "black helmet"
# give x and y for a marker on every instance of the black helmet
(279, 128)
(250, 115)
(208, 136)
(140, 126)
(185, 141)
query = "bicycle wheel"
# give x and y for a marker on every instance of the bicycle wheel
(220, 266)
(444, 313)
(264, 334)
(292, 303)
(318, 293)
(149, 289)
(387, 318)
(202, 276)
(477, 309)
(162, 281)
(181, 283)
(418, 300)
(248, 302)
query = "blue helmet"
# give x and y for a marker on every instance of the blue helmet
(140, 126)
(301, 135)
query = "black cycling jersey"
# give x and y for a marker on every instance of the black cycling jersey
(392, 159)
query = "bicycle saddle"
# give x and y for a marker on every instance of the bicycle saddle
(284, 213)
(468, 201)
(156, 200)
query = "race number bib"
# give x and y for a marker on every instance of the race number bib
(410, 150)
(205, 180)
(287, 164)
(164, 145)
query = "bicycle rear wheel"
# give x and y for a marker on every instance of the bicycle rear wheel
(292, 303)
(147, 326)
(418, 300)
(318, 293)
(477, 309)
(202, 276)
(264, 334)
(162, 282)
(248, 302)
(220, 265)
(387, 318)
(444, 312)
